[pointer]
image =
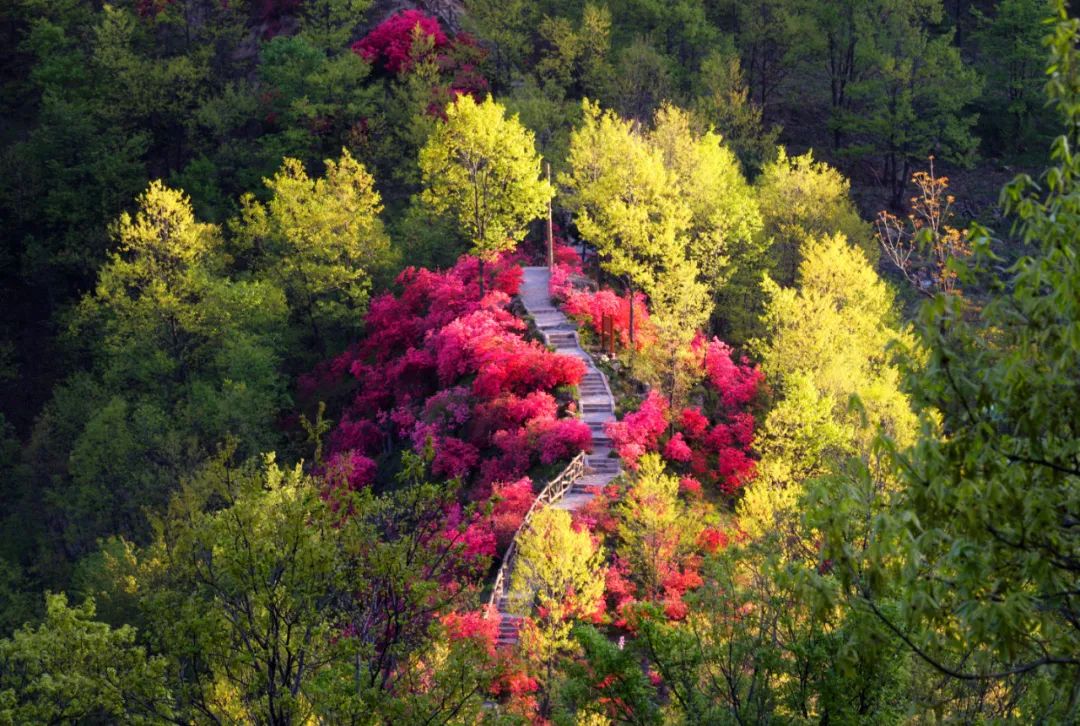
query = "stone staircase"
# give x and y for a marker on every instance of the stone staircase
(595, 402)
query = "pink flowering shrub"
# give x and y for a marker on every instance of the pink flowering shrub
(711, 449)
(441, 367)
(590, 308)
(390, 44)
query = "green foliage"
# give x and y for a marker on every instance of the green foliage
(576, 59)
(724, 101)
(1011, 59)
(322, 241)
(655, 529)
(979, 542)
(183, 357)
(830, 356)
(481, 168)
(318, 98)
(723, 238)
(71, 669)
(643, 80)
(801, 200)
(759, 646)
(607, 675)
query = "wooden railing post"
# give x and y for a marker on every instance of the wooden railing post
(552, 492)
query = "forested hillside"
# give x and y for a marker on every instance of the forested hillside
(561, 362)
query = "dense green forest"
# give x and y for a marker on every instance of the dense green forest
(539, 361)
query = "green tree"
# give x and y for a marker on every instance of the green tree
(772, 36)
(1010, 56)
(644, 78)
(627, 201)
(559, 571)
(316, 97)
(576, 59)
(322, 241)
(979, 542)
(801, 200)
(912, 99)
(482, 168)
(71, 669)
(830, 339)
(506, 28)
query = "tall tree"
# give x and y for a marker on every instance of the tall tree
(723, 237)
(801, 200)
(980, 542)
(482, 168)
(279, 598)
(626, 199)
(322, 241)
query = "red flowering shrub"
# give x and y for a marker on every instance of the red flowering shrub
(712, 452)
(472, 626)
(639, 432)
(390, 44)
(590, 308)
(712, 540)
(512, 501)
(676, 449)
(441, 367)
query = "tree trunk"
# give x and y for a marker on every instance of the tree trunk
(630, 285)
(481, 276)
(550, 228)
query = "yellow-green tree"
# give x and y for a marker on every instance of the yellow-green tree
(482, 168)
(830, 338)
(802, 199)
(71, 669)
(559, 571)
(321, 240)
(724, 236)
(627, 201)
(681, 306)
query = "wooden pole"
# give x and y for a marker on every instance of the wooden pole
(550, 227)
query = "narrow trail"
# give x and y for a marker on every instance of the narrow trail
(595, 402)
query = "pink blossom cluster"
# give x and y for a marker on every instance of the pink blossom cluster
(390, 46)
(711, 448)
(591, 308)
(442, 367)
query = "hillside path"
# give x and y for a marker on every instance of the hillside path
(595, 402)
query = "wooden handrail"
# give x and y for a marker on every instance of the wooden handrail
(552, 492)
